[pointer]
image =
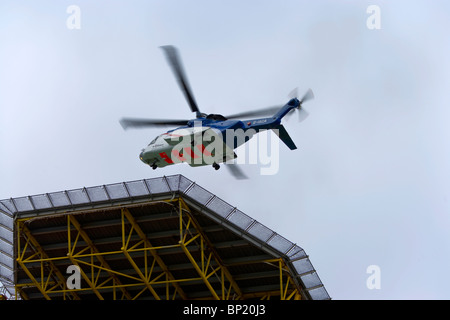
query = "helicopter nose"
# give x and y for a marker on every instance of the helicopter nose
(141, 156)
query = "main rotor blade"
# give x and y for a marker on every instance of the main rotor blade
(236, 171)
(177, 68)
(255, 113)
(149, 123)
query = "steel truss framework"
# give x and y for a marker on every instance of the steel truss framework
(149, 275)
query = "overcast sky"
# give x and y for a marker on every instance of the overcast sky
(369, 183)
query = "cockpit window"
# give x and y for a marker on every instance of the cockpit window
(153, 141)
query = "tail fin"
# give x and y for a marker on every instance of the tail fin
(281, 132)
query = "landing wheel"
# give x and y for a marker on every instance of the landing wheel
(216, 166)
(153, 166)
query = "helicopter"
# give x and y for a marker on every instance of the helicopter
(210, 139)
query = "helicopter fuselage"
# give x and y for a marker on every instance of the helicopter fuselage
(211, 139)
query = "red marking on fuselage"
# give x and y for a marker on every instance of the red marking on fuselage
(166, 157)
(177, 154)
(203, 150)
(190, 152)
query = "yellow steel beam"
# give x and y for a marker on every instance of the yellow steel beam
(206, 262)
(33, 279)
(200, 272)
(290, 284)
(139, 272)
(126, 213)
(191, 220)
(23, 230)
(281, 278)
(86, 278)
(72, 220)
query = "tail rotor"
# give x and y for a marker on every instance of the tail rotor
(302, 113)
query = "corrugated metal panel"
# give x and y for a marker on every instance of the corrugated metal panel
(7, 206)
(6, 247)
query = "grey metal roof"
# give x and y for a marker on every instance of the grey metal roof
(6, 249)
(134, 192)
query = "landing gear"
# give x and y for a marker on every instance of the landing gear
(216, 166)
(154, 166)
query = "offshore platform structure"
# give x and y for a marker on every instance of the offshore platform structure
(160, 238)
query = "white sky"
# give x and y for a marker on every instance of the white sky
(370, 180)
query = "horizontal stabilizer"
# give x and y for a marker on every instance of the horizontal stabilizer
(281, 132)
